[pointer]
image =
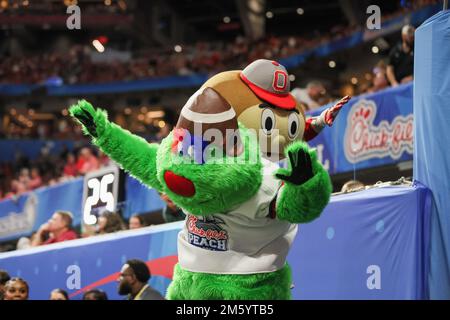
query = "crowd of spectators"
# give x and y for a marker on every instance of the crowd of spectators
(78, 65)
(397, 69)
(132, 283)
(63, 167)
(60, 227)
(57, 128)
(24, 175)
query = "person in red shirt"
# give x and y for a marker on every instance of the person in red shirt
(59, 229)
(35, 180)
(87, 161)
(70, 169)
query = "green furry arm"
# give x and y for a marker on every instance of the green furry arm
(131, 152)
(305, 202)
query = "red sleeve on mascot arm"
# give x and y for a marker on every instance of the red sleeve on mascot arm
(309, 133)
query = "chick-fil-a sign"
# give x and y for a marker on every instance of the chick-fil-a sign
(364, 140)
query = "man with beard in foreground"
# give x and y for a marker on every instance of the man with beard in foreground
(133, 279)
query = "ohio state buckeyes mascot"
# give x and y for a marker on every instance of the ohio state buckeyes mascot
(260, 95)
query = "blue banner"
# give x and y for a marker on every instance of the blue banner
(140, 198)
(78, 265)
(31, 148)
(23, 215)
(371, 244)
(366, 245)
(432, 157)
(371, 130)
(194, 80)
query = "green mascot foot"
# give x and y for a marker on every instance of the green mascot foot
(188, 285)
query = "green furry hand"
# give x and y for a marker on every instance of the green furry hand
(86, 114)
(307, 189)
(131, 152)
(301, 165)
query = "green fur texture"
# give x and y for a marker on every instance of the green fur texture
(219, 186)
(188, 285)
(304, 203)
(133, 153)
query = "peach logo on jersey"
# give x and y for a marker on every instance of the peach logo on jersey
(364, 140)
(206, 233)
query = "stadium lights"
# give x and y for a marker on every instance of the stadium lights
(269, 14)
(332, 64)
(70, 2)
(375, 49)
(155, 114)
(178, 48)
(103, 39)
(43, 116)
(300, 11)
(97, 45)
(226, 19)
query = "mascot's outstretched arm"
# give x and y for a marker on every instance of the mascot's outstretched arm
(315, 125)
(307, 186)
(130, 151)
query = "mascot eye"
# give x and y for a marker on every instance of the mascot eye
(180, 149)
(267, 121)
(293, 125)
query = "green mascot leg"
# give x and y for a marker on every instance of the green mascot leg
(188, 285)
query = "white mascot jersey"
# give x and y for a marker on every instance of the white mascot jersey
(245, 240)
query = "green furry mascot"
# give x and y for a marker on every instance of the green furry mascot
(241, 211)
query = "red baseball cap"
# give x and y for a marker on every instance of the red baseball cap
(269, 81)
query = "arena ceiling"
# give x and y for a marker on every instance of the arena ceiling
(194, 19)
